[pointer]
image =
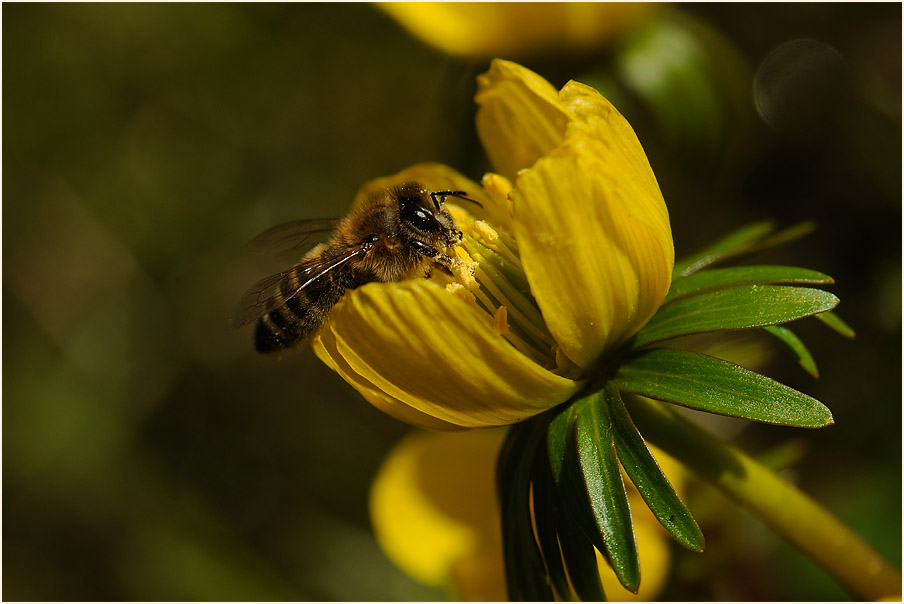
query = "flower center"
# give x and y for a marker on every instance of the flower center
(491, 278)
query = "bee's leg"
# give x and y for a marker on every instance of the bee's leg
(424, 249)
(445, 262)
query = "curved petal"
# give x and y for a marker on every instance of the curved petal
(429, 350)
(324, 345)
(433, 509)
(593, 243)
(621, 152)
(519, 116)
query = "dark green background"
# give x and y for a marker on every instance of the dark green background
(149, 454)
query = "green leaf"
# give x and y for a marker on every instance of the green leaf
(788, 235)
(835, 322)
(739, 239)
(739, 307)
(651, 483)
(563, 543)
(605, 489)
(745, 240)
(525, 574)
(580, 559)
(559, 440)
(546, 519)
(701, 382)
(795, 345)
(566, 470)
(723, 277)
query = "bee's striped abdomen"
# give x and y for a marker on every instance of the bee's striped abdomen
(297, 316)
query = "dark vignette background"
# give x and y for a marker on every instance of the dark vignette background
(149, 454)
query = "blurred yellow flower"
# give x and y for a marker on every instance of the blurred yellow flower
(484, 30)
(559, 268)
(435, 515)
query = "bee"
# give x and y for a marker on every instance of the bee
(400, 233)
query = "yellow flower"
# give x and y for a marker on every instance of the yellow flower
(568, 263)
(518, 29)
(434, 512)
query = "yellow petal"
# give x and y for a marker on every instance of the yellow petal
(595, 244)
(492, 29)
(519, 117)
(428, 350)
(621, 153)
(324, 345)
(433, 509)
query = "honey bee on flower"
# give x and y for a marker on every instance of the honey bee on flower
(573, 241)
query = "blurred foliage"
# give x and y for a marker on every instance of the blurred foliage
(149, 454)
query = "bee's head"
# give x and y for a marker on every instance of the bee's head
(424, 217)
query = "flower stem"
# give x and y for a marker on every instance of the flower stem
(799, 519)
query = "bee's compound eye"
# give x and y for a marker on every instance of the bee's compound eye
(418, 218)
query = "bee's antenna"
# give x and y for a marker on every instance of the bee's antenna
(463, 195)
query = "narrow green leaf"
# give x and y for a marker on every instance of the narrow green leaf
(746, 240)
(739, 307)
(795, 345)
(835, 322)
(784, 236)
(605, 489)
(559, 440)
(566, 470)
(701, 382)
(563, 543)
(723, 277)
(546, 519)
(525, 574)
(739, 239)
(580, 559)
(651, 483)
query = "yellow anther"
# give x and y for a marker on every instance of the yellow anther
(462, 292)
(464, 268)
(500, 321)
(463, 255)
(496, 186)
(486, 232)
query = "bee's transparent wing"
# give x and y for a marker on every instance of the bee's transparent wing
(291, 240)
(272, 292)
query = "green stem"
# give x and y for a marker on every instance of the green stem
(796, 517)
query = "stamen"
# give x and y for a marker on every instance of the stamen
(500, 321)
(565, 366)
(465, 268)
(486, 232)
(508, 247)
(462, 292)
(498, 188)
(526, 318)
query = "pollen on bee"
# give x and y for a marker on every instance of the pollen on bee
(500, 321)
